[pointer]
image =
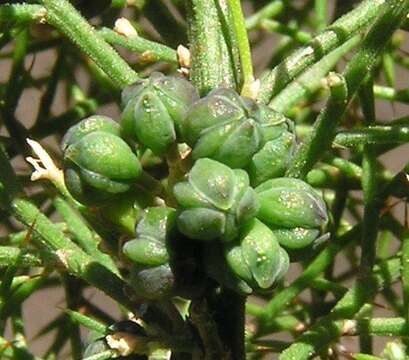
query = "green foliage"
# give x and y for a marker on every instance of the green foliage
(188, 205)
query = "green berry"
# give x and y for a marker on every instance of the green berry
(215, 201)
(154, 108)
(88, 126)
(153, 282)
(273, 159)
(151, 274)
(240, 133)
(257, 257)
(293, 210)
(149, 248)
(98, 166)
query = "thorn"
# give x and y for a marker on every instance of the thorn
(381, 306)
(30, 230)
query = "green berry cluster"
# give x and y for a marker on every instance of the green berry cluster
(221, 211)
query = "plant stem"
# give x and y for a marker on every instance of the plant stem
(13, 91)
(370, 187)
(311, 80)
(243, 47)
(269, 11)
(212, 61)
(300, 36)
(391, 94)
(10, 254)
(405, 274)
(88, 322)
(357, 69)
(229, 315)
(71, 256)
(335, 35)
(317, 266)
(75, 260)
(21, 14)
(87, 239)
(375, 326)
(327, 329)
(62, 15)
(207, 328)
(394, 134)
(324, 130)
(72, 297)
(321, 8)
(156, 51)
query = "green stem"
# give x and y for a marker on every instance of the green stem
(358, 68)
(243, 47)
(370, 187)
(394, 134)
(335, 35)
(405, 274)
(269, 11)
(88, 322)
(328, 329)
(88, 240)
(294, 32)
(312, 271)
(323, 132)
(156, 51)
(21, 14)
(72, 297)
(212, 61)
(10, 254)
(321, 8)
(13, 91)
(20, 294)
(62, 15)
(365, 357)
(75, 260)
(311, 80)
(374, 326)
(391, 94)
